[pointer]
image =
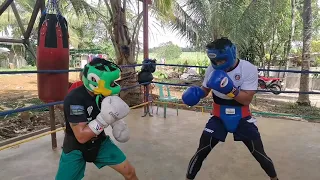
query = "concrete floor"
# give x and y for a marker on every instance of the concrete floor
(160, 149)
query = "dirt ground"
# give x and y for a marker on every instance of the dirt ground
(23, 85)
(18, 91)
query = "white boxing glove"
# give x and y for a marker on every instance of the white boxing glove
(113, 108)
(120, 131)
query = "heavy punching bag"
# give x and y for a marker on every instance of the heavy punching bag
(52, 54)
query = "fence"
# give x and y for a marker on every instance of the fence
(146, 100)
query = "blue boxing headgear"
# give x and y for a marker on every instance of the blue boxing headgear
(227, 53)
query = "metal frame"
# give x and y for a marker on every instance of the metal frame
(40, 5)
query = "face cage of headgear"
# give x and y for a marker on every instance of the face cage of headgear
(228, 54)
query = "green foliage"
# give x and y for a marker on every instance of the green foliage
(107, 48)
(257, 27)
(203, 62)
(316, 63)
(163, 75)
(315, 46)
(30, 59)
(160, 75)
(316, 75)
(182, 70)
(168, 50)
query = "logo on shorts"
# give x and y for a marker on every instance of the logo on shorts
(208, 130)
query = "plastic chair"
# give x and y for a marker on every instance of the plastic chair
(165, 99)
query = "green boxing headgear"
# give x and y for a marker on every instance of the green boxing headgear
(99, 77)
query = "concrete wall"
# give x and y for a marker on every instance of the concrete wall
(293, 79)
(294, 83)
(12, 61)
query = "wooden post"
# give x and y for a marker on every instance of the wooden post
(146, 52)
(145, 30)
(53, 127)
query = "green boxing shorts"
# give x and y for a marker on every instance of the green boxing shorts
(72, 165)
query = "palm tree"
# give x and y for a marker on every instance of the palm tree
(113, 15)
(307, 37)
(290, 37)
(79, 33)
(123, 33)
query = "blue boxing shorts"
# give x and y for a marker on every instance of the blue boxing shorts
(246, 130)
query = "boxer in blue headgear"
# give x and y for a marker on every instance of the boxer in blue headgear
(233, 83)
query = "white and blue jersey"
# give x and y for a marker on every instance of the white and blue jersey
(244, 76)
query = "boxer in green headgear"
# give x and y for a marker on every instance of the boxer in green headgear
(99, 77)
(88, 110)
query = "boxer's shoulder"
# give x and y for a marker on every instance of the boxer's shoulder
(77, 95)
(247, 66)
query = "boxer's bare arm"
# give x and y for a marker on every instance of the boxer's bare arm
(82, 132)
(205, 90)
(245, 97)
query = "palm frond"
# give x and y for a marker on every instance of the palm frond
(184, 23)
(83, 7)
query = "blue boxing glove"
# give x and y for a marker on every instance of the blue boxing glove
(192, 95)
(221, 82)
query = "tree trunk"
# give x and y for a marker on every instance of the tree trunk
(272, 34)
(288, 49)
(262, 63)
(268, 67)
(307, 35)
(124, 46)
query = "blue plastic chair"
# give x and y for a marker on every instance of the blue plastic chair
(166, 99)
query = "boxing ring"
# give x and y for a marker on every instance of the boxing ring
(160, 148)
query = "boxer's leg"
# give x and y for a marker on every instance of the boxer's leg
(248, 133)
(257, 150)
(111, 155)
(71, 166)
(212, 134)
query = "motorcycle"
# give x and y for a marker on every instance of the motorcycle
(272, 84)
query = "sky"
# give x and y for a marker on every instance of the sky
(158, 35)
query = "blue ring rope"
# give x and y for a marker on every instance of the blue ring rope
(135, 65)
(297, 92)
(4, 113)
